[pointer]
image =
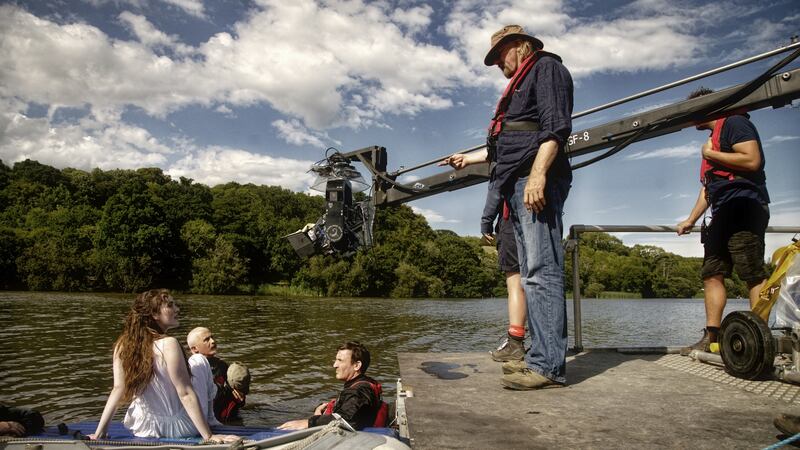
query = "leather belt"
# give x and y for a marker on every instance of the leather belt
(521, 126)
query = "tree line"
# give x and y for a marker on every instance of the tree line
(128, 230)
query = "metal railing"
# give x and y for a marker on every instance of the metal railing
(575, 232)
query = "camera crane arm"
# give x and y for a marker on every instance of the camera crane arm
(777, 92)
(768, 90)
(346, 225)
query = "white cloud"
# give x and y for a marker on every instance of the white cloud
(333, 71)
(760, 35)
(193, 7)
(328, 65)
(786, 216)
(682, 151)
(611, 209)
(320, 64)
(293, 132)
(414, 19)
(651, 35)
(407, 179)
(432, 216)
(216, 165)
(89, 143)
(788, 201)
(225, 111)
(77, 65)
(85, 144)
(778, 139)
(149, 35)
(346, 64)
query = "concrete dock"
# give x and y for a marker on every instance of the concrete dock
(613, 400)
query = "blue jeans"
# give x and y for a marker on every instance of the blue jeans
(541, 265)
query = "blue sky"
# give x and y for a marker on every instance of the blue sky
(254, 91)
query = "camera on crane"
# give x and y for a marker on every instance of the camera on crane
(346, 225)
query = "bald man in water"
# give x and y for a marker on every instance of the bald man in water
(232, 383)
(200, 342)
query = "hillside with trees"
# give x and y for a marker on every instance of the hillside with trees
(129, 230)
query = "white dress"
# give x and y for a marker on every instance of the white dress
(204, 387)
(158, 411)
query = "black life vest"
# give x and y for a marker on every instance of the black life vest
(381, 418)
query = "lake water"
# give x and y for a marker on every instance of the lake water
(55, 348)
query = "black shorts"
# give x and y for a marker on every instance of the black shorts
(507, 257)
(735, 238)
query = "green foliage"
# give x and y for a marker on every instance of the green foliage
(5, 175)
(412, 282)
(285, 290)
(128, 230)
(58, 245)
(35, 173)
(198, 236)
(10, 249)
(593, 290)
(608, 265)
(220, 271)
(409, 260)
(134, 239)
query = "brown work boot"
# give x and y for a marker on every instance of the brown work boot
(527, 380)
(787, 423)
(703, 344)
(510, 350)
(514, 366)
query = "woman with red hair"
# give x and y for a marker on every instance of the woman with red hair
(151, 372)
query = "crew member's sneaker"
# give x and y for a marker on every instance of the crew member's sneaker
(787, 423)
(527, 380)
(514, 366)
(510, 350)
(703, 344)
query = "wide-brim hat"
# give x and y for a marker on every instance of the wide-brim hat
(507, 34)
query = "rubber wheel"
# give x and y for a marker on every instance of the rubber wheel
(746, 345)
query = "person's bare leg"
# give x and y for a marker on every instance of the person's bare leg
(517, 307)
(755, 290)
(715, 299)
(512, 349)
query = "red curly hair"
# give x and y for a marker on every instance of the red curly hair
(134, 347)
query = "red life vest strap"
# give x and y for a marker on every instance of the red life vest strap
(706, 166)
(496, 124)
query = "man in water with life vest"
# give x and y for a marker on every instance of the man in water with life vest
(734, 185)
(231, 382)
(359, 403)
(527, 137)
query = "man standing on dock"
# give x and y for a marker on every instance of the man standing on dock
(527, 136)
(734, 185)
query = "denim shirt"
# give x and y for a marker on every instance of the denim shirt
(544, 96)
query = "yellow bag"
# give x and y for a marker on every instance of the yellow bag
(782, 259)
